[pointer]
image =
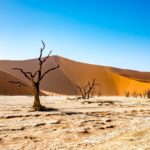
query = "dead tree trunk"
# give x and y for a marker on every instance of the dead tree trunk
(148, 94)
(127, 94)
(36, 78)
(36, 92)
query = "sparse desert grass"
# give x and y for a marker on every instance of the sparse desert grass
(74, 125)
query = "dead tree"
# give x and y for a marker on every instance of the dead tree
(144, 94)
(127, 94)
(135, 94)
(90, 88)
(18, 83)
(36, 78)
(140, 95)
(86, 90)
(148, 93)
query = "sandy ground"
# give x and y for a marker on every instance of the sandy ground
(124, 124)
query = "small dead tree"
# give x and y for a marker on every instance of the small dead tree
(135, 94)
(148, 93)
(127, 94)
(86, 90)
(36, 78)
(140, 95)
(144, 94)
(18, 83)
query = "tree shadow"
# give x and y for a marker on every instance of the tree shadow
(48, 109)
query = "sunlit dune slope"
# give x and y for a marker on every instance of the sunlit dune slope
(111, 81)
(136, 75)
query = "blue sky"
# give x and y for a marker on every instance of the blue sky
(105, 32)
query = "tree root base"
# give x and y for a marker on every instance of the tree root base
(39, 108)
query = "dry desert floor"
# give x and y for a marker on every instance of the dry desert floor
(104, 123)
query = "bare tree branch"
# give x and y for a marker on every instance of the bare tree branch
(80, 89)
(17, 83)
(41, 52)
(33, 75)
(41, 61)
(46, 57)
(28, 75)
(46, 72)
(91, 86)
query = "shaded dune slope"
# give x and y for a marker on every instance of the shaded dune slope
(111, 81)
(7, 88)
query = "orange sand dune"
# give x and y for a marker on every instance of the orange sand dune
(7, 88)
(136, 75)
(111, 81)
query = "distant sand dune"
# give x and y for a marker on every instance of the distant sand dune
(112, 81)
